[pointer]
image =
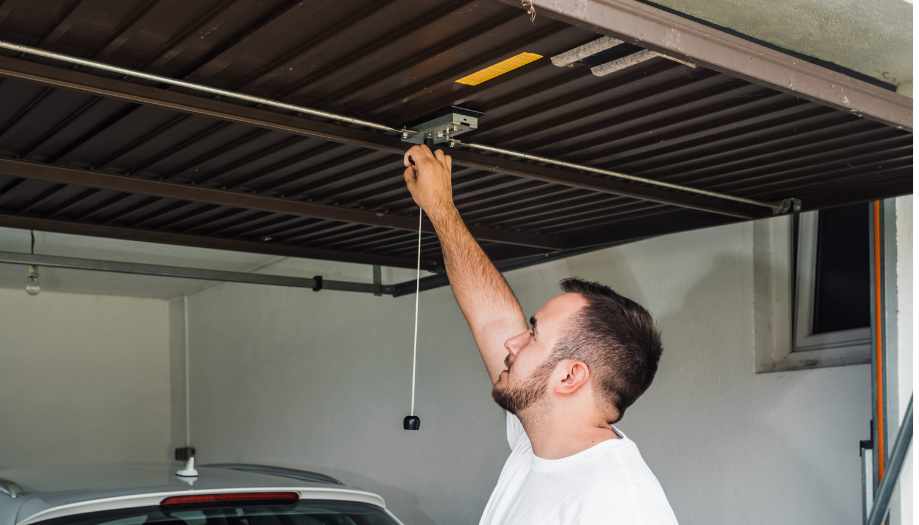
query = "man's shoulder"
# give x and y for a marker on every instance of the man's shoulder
(636, 496)
(624, 479)
(620, 464)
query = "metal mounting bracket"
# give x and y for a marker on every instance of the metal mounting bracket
(443, 128)
(789, 205)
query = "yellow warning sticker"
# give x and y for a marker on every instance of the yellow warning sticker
(496, 70)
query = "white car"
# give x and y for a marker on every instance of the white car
(224, 494)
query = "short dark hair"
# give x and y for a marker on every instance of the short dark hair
(617, 339)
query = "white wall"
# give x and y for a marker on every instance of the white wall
(321, 380)
(293, 377)
(900, 381)
(178, 393)
(83, 378)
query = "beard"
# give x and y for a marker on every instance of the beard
(515, 398)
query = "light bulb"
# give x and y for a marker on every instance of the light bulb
(32, 285)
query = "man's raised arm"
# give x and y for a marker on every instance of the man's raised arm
(486, 300)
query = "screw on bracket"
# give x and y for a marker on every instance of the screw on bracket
(444, 127)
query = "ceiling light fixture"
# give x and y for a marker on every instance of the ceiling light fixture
(497, 69)
(633, 60)
(583, 51)
(33, 287)
(32, 284)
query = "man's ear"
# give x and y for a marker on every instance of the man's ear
(573, 375)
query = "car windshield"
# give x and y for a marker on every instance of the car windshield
(301, 513)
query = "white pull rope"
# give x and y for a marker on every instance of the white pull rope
(417, 296)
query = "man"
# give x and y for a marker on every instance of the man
(564, 379)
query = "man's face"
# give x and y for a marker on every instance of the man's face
(526, 378)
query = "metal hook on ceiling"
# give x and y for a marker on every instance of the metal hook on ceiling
(530, 8)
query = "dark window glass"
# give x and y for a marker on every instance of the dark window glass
(841, 285)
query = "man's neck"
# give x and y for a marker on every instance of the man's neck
(558, 436)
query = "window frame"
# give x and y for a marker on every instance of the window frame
(782, 341)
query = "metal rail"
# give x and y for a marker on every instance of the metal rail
(237, 199)
(775, 208)
(92, 64)
(317, 283)
(897, 457)
(201, 241)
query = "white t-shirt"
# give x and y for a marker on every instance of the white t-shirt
(608, 483)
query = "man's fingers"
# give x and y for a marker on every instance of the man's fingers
(417, 154)
(412, 156)
(409, 176)
(450, 163)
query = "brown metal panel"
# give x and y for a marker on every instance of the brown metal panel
(215, 33)
(20, 19)
(241, 200)
(863, 172)
(392, 195)
(591, 219)
(271, 120)
(860, 187)
(109, 21)
(389, 68)
(274, 166)
(163, 56)
(606, 185)
(760, 128)
(681, 38)
(766, 157)
(395, 61)
(599, 100)
(550, 83)
(428, 94)
(195, 214)
(286, 31)
(306, 230)
(353, 40)
(31, 123)
(692, 115)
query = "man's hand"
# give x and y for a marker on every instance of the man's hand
(428, 177)
(487, 302)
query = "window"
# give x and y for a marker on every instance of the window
(812, 290)
(833, 292)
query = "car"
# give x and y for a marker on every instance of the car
(217, 494)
